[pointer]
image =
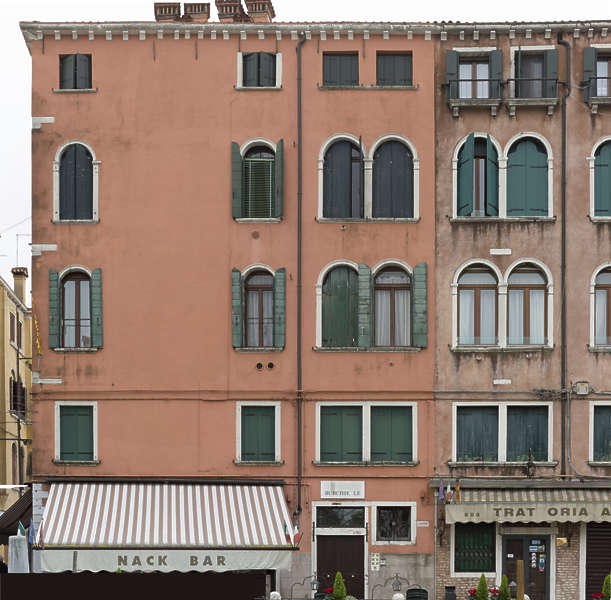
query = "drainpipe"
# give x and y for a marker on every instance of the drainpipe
(563, 366)
(299, 287)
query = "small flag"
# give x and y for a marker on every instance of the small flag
(458, 490)
(441, 494)
(31, 533)
(20, 529)
(37, 331)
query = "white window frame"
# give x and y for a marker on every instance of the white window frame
(95, 184)
(366, 430)
(512, 62)
(593, 405)
(502, 428)
(240, 73)
(277, 431)
(473, 54)
(595, 274)
(591, 159)
(498, 557)
(57, 446)
(374, 524)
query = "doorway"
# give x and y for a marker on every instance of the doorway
(343, 553)
(535, 551)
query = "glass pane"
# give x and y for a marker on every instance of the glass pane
(393, 523)
(531, 74)
(85, 320)
(465, 86)
(487, 322)
(526, 278)
(537, 317)
(260, 279)
(527, 432)
(393, 277)
(70, 314)
(382, 317)
(466, 334)
(252, 324)
(331, 516)
(600, 324)
(516, 317)
(477, 434)
(84, 301)
(402, 317)
(268, 318)
(602, 433)
(482, 86)
(604, 278)
(602, 74)
(477, 278)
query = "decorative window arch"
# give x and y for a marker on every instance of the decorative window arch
(599, 163)
(600, 306)
(75, 183)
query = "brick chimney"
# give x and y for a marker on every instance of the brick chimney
(260, 11)
(230, 11)
(197, 12)
(167, 11)
(20, 274)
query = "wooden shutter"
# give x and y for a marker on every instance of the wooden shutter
(527, 429)
(382, 169)
(76, 433)
(54, 309)
(351, 69)
(383, 75)
(237, 318)
(364, 310)
(67, 183)
(477, 433)
(330, 69)
(259, 188)
(83, 184)
(419, 292)
(403, 66)
(536, 179)
(280, 308)
(279, 180)
(589, 73)
(250, 70)
(451, 74)
(495, 70)
(393, 181)
(97, 338)
(602, 433)
(337, 177)
(598, 557)
(391, 433)
(267, 69)
(83, 71)
(66, 72)
(550, 71)
(352, 433)
(236, 181)
(474, 547)
(464, 200)
(340, 308)
(602, 181)
(330, 434)
(258, 433)
(492, 179)
(516, 180)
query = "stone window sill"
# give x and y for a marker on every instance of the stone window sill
(370, 349)
(75, 90)
(84, 463)
(405, 88)
(75, 221)
(68, 350)
(502, 219)
(599, 463)
(255, 88)
(599, 349)
(258, 463)
(456, 104)
(597, 101)
(369, 220)
(257, 221)
(258, 350)
(514, 103)
(599, 219)
(496, 464)
(497, 349)
(363, 463)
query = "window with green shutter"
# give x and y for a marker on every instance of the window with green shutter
(259, 184)
(474, 548)
(602, 180)
(477, 433)
(259, 69)
(527, 432)
(536, 74)
(391, 434)
(341, 433)
(478, 178)
(527, 179)
(76, 433)
(340, 308)
(393, 181)
(343, 181)
(394, 68)
(75, 71)
(340, 69)
(602, 433)
(258, 433)
(76, 184)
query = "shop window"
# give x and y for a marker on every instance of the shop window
(474, 548)
(340, 517)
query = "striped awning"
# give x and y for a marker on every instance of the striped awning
(136, 515)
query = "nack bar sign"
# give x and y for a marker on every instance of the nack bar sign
(346, 490)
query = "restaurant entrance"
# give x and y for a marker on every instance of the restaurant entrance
(535, 551)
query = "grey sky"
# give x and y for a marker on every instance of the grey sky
(15, 70)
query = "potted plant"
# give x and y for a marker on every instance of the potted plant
(504, 593)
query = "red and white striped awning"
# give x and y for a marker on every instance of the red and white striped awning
(165, 514)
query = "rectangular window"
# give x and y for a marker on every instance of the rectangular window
(602, 76)
(12, 327)
(394, 69)
(258, 433)
(602, 434)
(76, 433)
(391, 434)
(477, 433)
(529, 82)
(527, 433)
(340, 517)
(340, 69)
(75, 71)
(474, 548)
(474, 78)
(259, 69)
(19, 335)
(393, 524)
(341, 434)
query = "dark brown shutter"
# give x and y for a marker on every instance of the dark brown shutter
(598, 557)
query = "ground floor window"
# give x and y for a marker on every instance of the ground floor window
(474, 548)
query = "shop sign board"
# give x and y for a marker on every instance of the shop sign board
(346, 490)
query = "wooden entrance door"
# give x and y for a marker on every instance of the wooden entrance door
(534, 550)
(343, 553)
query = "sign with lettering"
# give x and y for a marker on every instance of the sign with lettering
(348, 490)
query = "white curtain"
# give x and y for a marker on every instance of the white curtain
(85, 320)
(516, 317)
(465, 87)
(70, 314)
(602, 85)
(268, 318)
(487, 324)
(382, 317)
(402, 309)
(537, 316)
(600, 322)
(252, 310)
(482, 86)
(466, 317)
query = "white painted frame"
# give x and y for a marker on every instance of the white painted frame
(95, 184)
(277, 427)
(502, 426)
(319, 284)
(591, 159)
(74, 269)
(392, 262)
(57, 444)
(257, 267)
(374, 524)
(252, 143)
(240, 74)
(498, 557)
(512, 62)
(595, 274)
(366, 425)
(593, 405)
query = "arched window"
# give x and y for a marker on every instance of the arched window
(340, 301)
(259, 289)
(602, 181)
(392, 308)
(602, 311)
(478, 178)
(477, 307)
(76, 184)
(527, 306)
(527, 187)
(259, 182)
(393, 181)
(343, 181)
(76, 310)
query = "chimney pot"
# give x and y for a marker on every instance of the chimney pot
(198, 12)
(231, 11)
(167, 11)
(20, 274)
(260, 11)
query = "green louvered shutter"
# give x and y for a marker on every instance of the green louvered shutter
(236, 181)
(602, 433)
(492, 179)
(495, 67)
(391, 434)
(97, 337)
(76, 433)
(589, 73)
(250, 70)
(259, 188)
(280, 308)
(420, 335)
(237, 319)
(258, 434)
(364, 340)
(341, 433)
(536, 179)
(67, 71)
(516, 180)
(550, 87)
(54, 309)
(67, 183)
(451, 74)
(340, 308)
(464, 201)
(267, 69)
(83, 71)
(602, 181)
(279, 180)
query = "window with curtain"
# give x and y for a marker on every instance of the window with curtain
(341, 433)
(602, 308)
(259, 69)
(258, 196)
(76, 311)
(474, 78)
(602, 180)
(392, 288)
(527, 307)
(340, 299)
(477, 312)
(602, 75)
(478, 178)
(529, 76)
(76, 184)
(393, 181)
(527, 433)
(474, 548)
(259, 291)
(477, 433)
(343, 181)
(602, 434)
(527, 179)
